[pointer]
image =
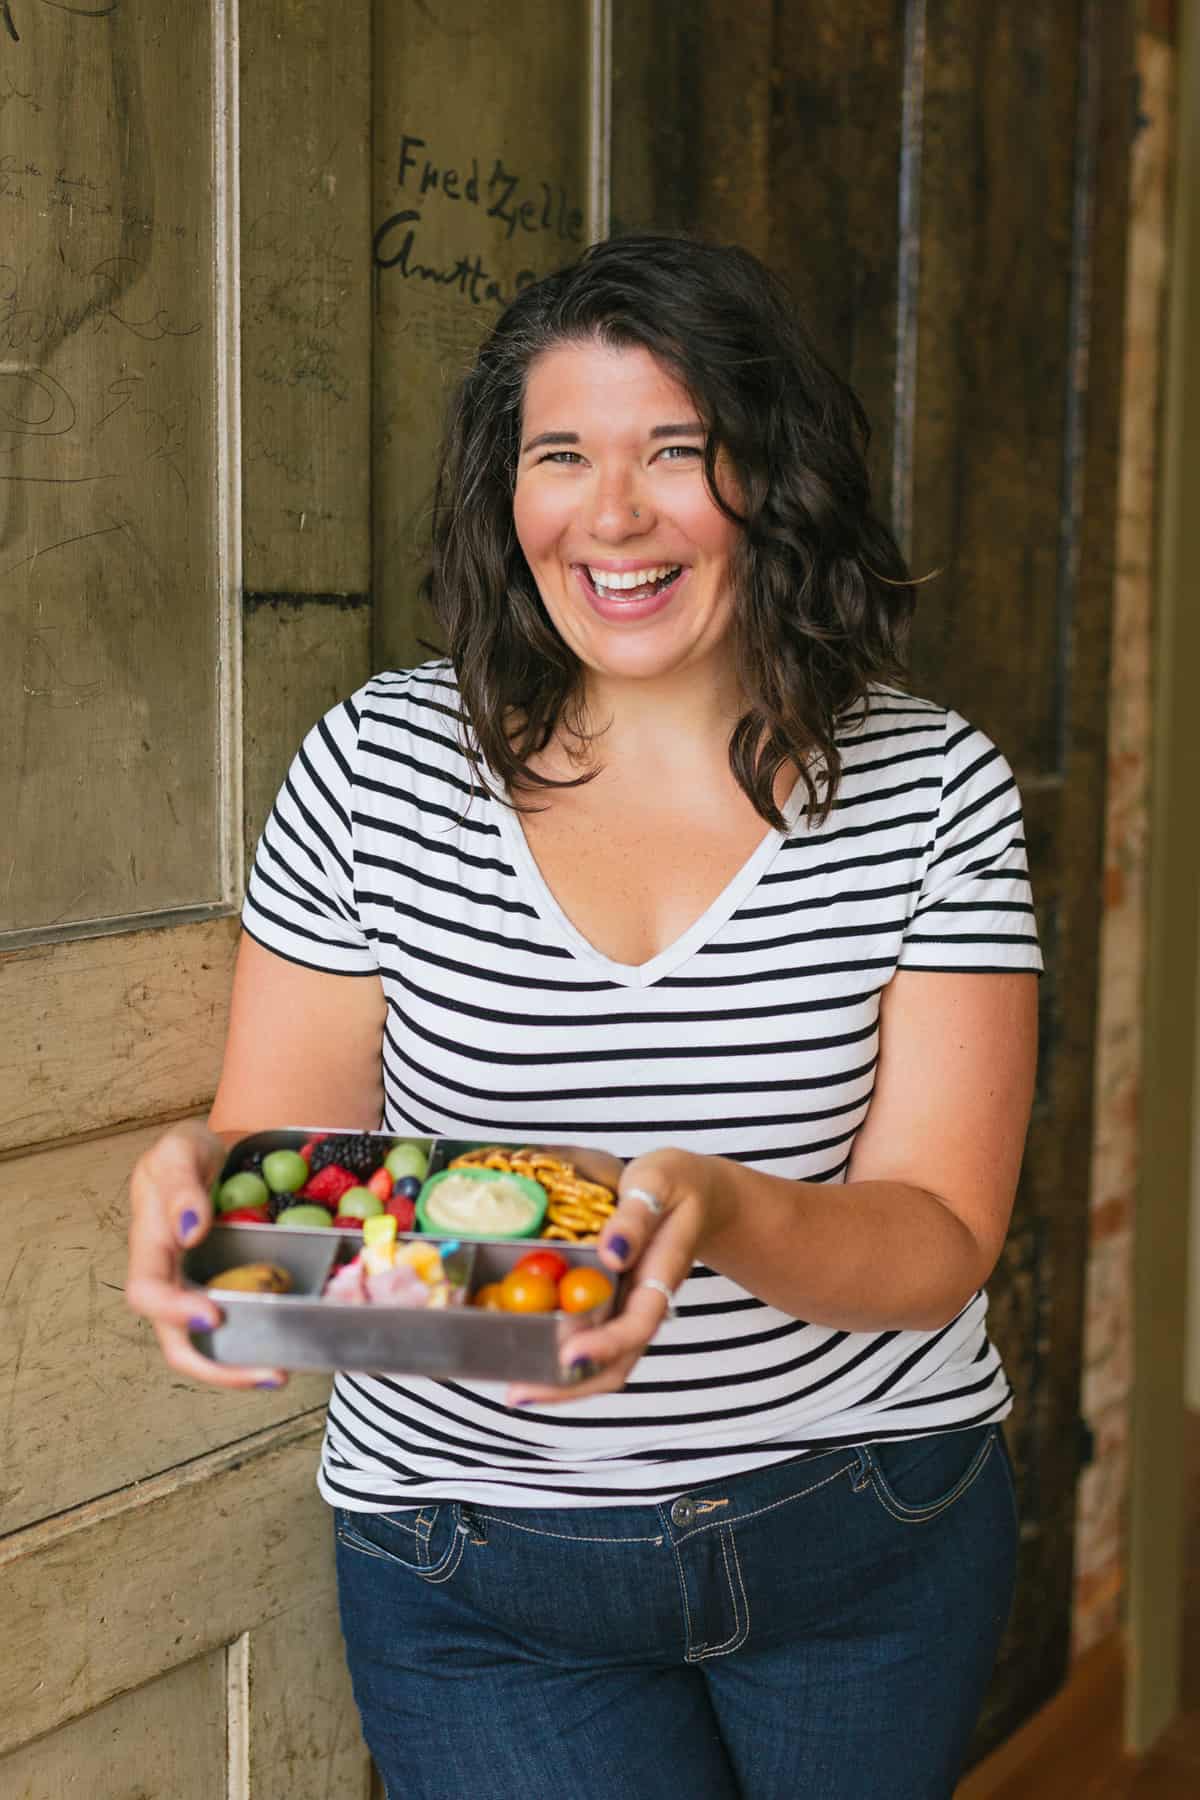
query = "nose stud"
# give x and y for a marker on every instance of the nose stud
(636, 513)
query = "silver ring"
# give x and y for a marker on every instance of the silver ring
(651, 1202)
(660, 1287)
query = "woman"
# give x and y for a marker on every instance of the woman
(660, 862)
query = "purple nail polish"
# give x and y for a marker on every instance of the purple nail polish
(582, 1369)
(200, 1325)
(188, 1222)
(268, 1384)
(618, 1246)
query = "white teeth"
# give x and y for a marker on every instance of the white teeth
(632, 578)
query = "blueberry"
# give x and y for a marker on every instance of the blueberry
(409, 1186)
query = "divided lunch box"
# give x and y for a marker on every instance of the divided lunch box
(300, 1330)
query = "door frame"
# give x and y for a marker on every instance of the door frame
(1156, 1512)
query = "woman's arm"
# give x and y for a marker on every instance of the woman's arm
(303, 1049)
(920, 1221)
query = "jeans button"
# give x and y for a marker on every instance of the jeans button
(683, 1512)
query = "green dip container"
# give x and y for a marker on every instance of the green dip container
(534, 1190)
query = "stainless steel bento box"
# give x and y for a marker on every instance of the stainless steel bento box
(300, 1330)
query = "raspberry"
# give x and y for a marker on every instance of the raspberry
(328, 1185)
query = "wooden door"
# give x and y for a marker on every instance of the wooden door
(205, 301)
(943, 184)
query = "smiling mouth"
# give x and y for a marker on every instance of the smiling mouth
(632, 585)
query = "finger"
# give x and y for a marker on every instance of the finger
(647, 1192)
(608, 1380)
(186, 1360)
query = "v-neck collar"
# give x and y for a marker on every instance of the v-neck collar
(674, 954)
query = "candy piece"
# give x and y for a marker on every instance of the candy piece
(488, 1297)
(246, 1215)
(359, 1203)
(304, 1215)
(380, 1229)
(328, 1185)
(284, 1171)
(241, 1190)
(381, 1184)
(423, 1258)
(253, 1278)
(406, 1159)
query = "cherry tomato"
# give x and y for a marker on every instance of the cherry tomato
(488, 1296)
(581, 1289)
(523, 1292)
(544, 1262)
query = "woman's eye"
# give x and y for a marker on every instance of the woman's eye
(561, 456)
(678, 452)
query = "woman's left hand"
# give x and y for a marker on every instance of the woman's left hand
(666, 1201)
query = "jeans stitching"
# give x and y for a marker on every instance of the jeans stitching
(352, 1541)
(772, 1506)
(741, 1616)
(921, 1515)
(566, 1537)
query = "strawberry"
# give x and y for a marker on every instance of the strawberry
(347, 1222)
(380, 1184)
(402, 1210)
(328, 1185)
(245, 1215)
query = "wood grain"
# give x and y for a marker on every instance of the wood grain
(107, 1030)
(167, 1738)
(472, 199)
(89, 1403)
(110, 684)
(145, 1581)
(305, 297)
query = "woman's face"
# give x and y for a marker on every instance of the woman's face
(630, 553)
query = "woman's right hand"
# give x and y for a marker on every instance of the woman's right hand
(170, 1210)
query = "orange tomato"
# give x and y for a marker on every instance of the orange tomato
(488, 1296)
(581, 1289)
(543, 1262)
(522, 1291)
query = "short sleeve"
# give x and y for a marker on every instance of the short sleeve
(975, 909)
(300, 897)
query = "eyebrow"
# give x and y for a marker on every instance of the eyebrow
(692, 428)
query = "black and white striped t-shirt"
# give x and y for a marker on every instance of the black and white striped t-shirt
(754, 1037)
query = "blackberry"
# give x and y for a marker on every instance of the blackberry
(362, 1155)
(252, 1164)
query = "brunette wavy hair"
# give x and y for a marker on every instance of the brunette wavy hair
(822, 597)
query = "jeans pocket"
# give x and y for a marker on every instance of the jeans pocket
(920, 1478)
(427, 1542)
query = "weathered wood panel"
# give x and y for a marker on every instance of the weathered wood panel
(306, 382)
(168, 1738)
(945, 190)
(109, 767)
(301, 654)
(122, 1591)
(305, 295)
(89, 1403)
(107, 1030)
(305, 1742)
(480, 130)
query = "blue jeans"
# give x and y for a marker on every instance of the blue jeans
(823, 1628)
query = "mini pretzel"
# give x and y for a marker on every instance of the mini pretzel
(576, 1208)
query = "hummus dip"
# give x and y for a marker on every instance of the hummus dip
(480, 1208)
